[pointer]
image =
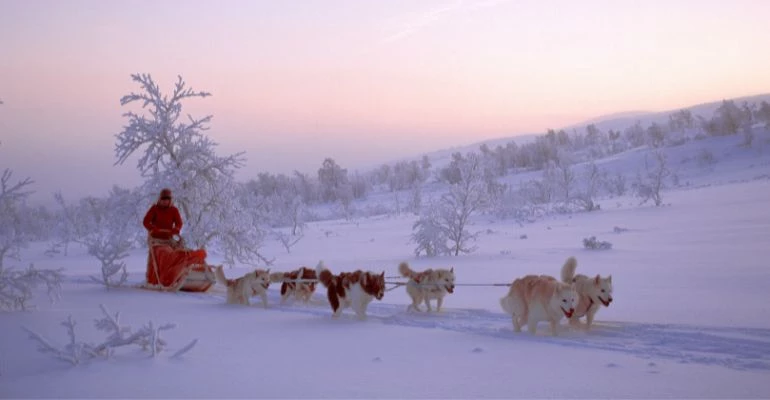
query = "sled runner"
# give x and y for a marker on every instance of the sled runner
(173, 267)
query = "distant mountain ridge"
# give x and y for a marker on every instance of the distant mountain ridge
(615, 121)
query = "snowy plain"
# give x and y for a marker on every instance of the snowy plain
(690, 318)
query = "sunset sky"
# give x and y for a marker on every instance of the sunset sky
(361, 81)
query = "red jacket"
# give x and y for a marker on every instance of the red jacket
(158, 218)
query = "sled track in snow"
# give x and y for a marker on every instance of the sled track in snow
(734, 348)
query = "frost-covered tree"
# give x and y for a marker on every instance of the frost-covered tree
(593, 135)
(615, 184)
(634, 134)
(652, 179)
(454, 210)
(415, 199)
(563, 175)
(656, 136)
(16, 285)
(175, 153)
(14, 234)
(588, 187)
(429, 234)
(332, 178)
(451, 173)
(306, 187)
(463, 201)
(680, 125)
(762, 114)
(727, 120)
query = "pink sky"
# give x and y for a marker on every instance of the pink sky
(361, 81)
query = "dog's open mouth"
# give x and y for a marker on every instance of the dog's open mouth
(606, 303)
(569, 313)
(450, 289)
(265, 285)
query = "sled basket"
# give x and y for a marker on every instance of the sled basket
(173, 267)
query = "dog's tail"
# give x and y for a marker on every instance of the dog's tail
(324, 275)
(405, 271)
(277, 277)
(505, 303)
(568, 270)
(219, 272)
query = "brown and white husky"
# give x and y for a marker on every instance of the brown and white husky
(428, 285)
(592, 292)
(240, 290)
(351, 289)
(535, 298)
(302, 291)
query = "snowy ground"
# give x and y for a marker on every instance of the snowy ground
(690, 317)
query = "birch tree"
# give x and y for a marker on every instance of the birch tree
(175, 153)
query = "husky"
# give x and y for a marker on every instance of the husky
(351, 289)
(592, 292)
(535, 298)
(240, 290)
(302, 291)
(427, 285)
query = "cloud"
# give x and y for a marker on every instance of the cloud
(432, 16)
(423, 21)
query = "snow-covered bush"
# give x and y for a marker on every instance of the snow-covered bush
(107, 227)
(705, 158)
(593, 244)
(148, 338)
(17, 286)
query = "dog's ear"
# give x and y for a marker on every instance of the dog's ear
(268, 271)
(452, 270)
(597, 280)
(609, 279)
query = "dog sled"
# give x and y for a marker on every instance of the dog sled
(171, 266)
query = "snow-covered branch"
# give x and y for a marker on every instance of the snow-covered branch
(16, 287)
(148, 337)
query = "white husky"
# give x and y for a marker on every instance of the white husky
(592, 292)
(241, 289)
(535, 298)
(428, 285)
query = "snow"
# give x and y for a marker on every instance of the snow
(690, 316)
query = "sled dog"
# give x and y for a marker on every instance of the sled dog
(241, 289)
(535, 298)
(427, 285)
(302, 291)
(351, 289)
(592, 292)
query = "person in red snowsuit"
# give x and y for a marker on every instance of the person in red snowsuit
(162, 220)
(169, 262)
